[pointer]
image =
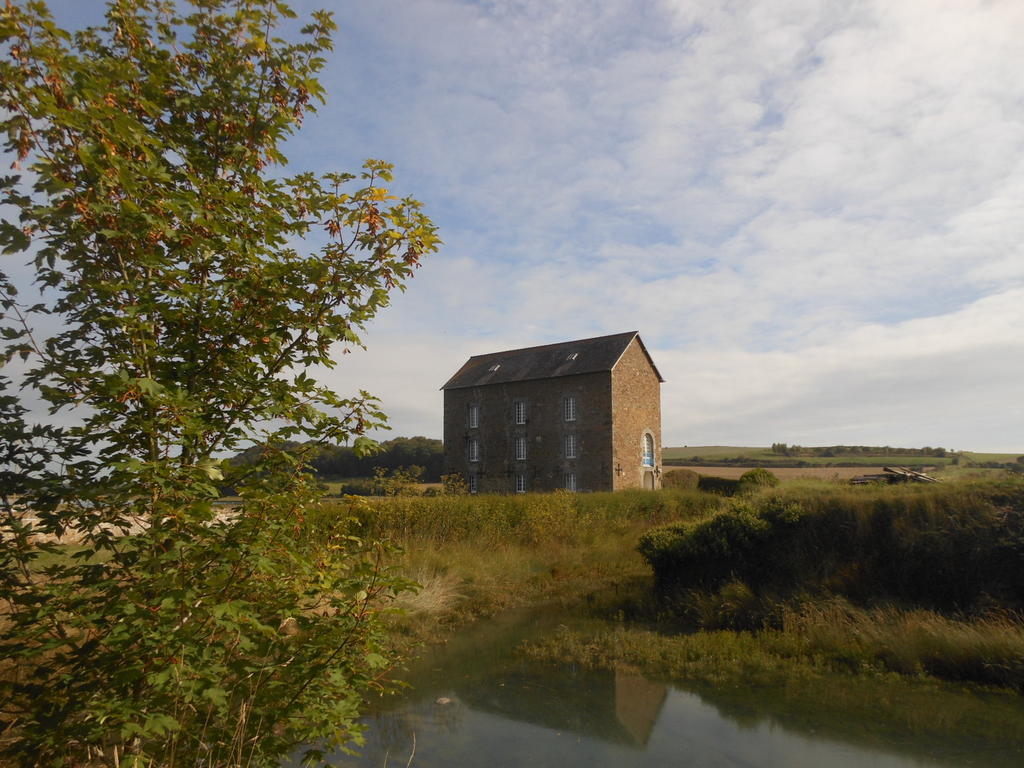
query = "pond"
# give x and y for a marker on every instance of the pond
(476, 702)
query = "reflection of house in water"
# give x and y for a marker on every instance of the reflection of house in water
(638, 703)
(620, 707)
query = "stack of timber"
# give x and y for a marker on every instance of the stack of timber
(894, 475)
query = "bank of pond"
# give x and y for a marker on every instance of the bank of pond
(884, 619)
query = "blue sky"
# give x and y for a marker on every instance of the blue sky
(812, 210)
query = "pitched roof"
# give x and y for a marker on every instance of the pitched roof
(567, 358)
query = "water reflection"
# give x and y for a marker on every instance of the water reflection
(477, 703)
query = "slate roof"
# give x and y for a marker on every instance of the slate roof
(567, 358)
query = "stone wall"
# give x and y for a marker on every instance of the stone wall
(636, 403)
(545, 430)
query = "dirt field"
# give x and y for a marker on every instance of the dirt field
(786, 473)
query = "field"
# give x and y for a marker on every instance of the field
(722, 454)
(784, 473)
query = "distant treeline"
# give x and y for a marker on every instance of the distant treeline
(828, 451)
(334, 462)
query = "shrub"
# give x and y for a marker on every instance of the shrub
(724, 486)
(680, 478)
(704, 553)
(759, 477)
(942, 546)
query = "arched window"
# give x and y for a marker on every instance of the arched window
(648, 453)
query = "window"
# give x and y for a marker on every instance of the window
(494, 367)
(648, 451)
(520, 449)
(570, 481)
(570, 408)
(520, 412)
(573, 355)
(570, 446)
(472, 484)
(474, 449)
(520, 483)
(474, 416)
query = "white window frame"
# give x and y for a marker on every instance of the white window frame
(473, 486)
(647, 439)
(520, 482)
(571, 446)
(474, 416)
(570, 408)
(570, 481)
(474, 450)
(520, 448)
(519, 416)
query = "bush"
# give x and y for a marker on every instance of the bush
(681, 478)
(723, 486)
(758, 477)
(949, 547)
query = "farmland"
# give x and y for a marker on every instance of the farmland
(733, 472)
(747, 456)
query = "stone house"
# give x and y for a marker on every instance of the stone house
(580, 415)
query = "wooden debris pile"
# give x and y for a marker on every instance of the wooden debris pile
(893, 475)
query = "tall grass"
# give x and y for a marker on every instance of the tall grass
(498, 520)
(987, 649)
(476, 555)
(817, 637)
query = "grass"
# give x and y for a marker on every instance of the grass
(1002, 458)
(479, 555)
(818, 638)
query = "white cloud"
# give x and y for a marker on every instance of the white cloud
(811, 209)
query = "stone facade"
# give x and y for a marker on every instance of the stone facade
(636, 400)
(584, 429)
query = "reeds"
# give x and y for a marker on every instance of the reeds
(817, 637)
(988, 649)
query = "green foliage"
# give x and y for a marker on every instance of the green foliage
(680, 478)
(759, 477)
(454, 485)
(724, 486)
(333, 462)
(402, 481)
(947, 546)
(187, 309)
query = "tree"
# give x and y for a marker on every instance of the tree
(141, 625)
